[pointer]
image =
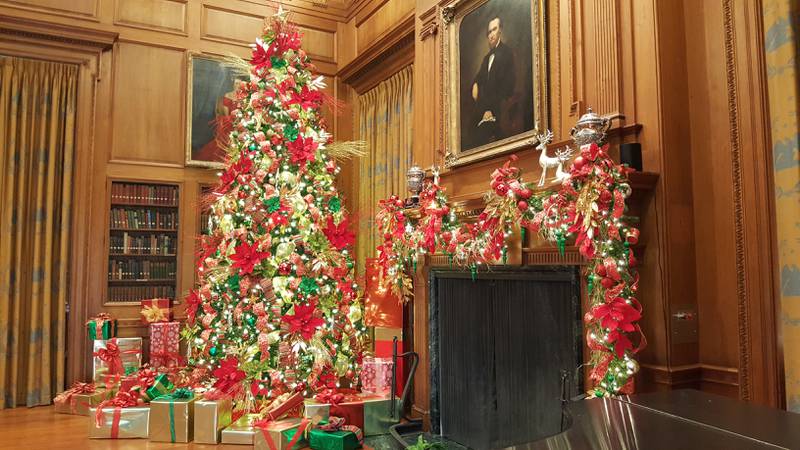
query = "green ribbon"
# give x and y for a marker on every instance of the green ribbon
(522, 235)
(179, 394)
(505, 255)
(161, 387)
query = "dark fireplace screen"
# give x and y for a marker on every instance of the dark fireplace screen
(498, 347)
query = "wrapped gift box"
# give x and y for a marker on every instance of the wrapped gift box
(371, 413)
(101, 326)
(333, 440)
(172, 417)
(161, 386)
(210, 418)
(116, 356)
(376, 375)
(241, 432)
(79, 398)
(120, 423)
(382, 307)
(156, 310)
(165, 344)
(384, 338)
(280, 435)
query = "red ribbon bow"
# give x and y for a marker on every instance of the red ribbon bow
(69, 394)
(111, 355)
(121, 400)
(338, 423)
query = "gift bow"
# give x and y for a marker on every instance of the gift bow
(111, 354)
(338, 424)
(69, 394)
(153, 313)
(121, 400)
(167, 357)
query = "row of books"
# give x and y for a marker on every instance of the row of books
(137, 293)
(154, 244)
(143, 219)
(145, 194)
(134, 269)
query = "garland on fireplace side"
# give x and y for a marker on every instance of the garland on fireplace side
(589, 207)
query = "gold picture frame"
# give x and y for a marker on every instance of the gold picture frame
(207, 76)
(531, 118)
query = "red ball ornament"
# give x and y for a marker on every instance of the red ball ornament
(350, 374)
(285, 268)
(525, 193)
(579, 162)
(522, 205)
(501, 189)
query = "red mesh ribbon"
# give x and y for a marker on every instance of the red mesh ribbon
(121, 400)
(69, 394)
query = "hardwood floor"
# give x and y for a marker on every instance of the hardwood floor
(41, 428)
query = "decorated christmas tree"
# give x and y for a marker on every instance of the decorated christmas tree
(277, 309)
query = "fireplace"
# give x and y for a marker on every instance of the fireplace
(498, 346)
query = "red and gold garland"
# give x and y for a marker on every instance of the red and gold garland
(589, 207)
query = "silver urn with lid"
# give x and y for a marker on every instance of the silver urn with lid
(414, 178)
(590, 128)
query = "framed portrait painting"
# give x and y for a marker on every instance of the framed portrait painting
(495, 80)
(210, 100)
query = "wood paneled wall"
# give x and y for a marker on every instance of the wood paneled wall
(684, 78)
(690, 75)
(137, 92)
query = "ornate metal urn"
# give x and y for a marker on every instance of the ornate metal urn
(414, 178)
(590, 128)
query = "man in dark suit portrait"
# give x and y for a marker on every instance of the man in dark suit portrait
(493, 87)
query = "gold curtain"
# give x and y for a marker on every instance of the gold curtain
(37, 123)
(384, 123)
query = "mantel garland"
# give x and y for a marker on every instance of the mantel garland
(589, 206)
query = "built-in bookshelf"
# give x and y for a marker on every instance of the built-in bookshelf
(143, 241)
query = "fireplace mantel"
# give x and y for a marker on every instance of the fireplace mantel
(531, 252)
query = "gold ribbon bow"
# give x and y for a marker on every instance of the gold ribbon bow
(153, 314)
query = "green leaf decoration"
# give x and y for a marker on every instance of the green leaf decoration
(278, 63)
(273, 204)
(309, 286)
(233, 282)
(335, 204)
(290, 132)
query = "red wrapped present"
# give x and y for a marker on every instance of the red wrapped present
(382, 308)
(156, 310)
(164, 344)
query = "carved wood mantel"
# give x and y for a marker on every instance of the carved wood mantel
(529, 252)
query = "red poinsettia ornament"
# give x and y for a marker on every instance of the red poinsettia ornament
(303, 150)
(228, 375)
(303, 320)
(247, 256)
(339, 236)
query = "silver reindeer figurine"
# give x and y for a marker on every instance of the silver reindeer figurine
(549, 162)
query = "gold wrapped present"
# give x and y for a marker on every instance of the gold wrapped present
(117, 357)
(316, 410)
(119, 423)
(79, 398)
(210, 418)
(242, 431)
(284, 434)
(172, 417)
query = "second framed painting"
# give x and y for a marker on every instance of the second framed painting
(209, 103)
(495, 80)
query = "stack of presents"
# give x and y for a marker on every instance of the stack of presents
(159, 401)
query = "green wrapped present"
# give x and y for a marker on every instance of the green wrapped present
(161, 386)
(101, 326)
(335, 435)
